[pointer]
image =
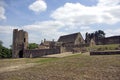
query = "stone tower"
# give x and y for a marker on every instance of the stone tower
(20, 43)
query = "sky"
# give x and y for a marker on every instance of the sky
(52, 18)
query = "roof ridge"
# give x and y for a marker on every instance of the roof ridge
(71, 34)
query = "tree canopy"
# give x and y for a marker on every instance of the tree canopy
(95, 35)
(5, 52)
(32, 46)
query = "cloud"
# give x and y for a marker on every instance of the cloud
(46, 29)
(111, 32)
(38, 6)
(37, 31)
(76, 14)
(2, 13)
(6, 29)
(6, 35)
(67, 19)
(108, 2)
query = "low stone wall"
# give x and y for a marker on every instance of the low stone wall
(40, 52)
(105, 52)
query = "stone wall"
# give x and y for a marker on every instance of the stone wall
(109, 40)
(40, 52)
(105, 52)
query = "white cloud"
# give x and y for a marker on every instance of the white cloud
(111, 32)
(45, 29)
(108, 2)
(6, 29)
(2, 13)
(45, 25)
(37, 31)
(38, 6)
(85, 27)
(76, 14)
(6, 35)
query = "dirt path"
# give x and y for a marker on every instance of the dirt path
(66, 54)
(61, 55)
(16, 67)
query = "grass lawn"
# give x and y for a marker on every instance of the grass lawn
(76, 67)
(104, 47)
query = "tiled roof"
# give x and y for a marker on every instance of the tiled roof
(68, 38)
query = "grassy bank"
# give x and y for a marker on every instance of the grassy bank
(104, 47)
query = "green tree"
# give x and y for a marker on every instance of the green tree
(101, 34)
(32, 46)
(5, 52)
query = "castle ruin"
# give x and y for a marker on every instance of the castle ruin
(20, 43)
(66, 43)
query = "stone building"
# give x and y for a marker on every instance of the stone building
(20, 43)
(46, 44)
(71, 42)
(92, 43)
(71, 39)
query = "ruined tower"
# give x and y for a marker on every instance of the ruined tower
(20, 43)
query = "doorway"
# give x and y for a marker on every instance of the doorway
(21, 54)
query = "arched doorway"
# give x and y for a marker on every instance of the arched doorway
(21, 54)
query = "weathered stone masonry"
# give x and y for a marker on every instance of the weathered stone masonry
(20, 43)
(40, 52)
(105, 52)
